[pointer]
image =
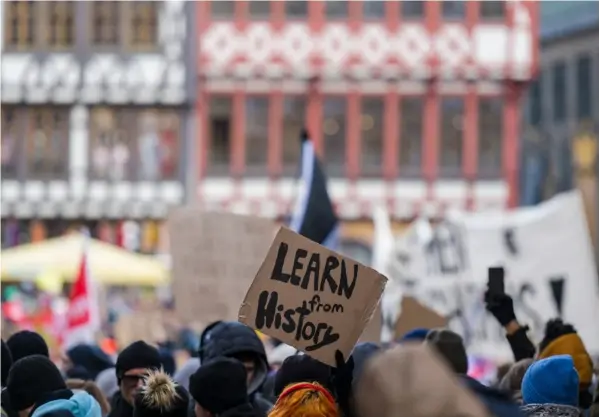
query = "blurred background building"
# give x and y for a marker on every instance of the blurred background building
(561, 112)
(413, 105)
(96, 98)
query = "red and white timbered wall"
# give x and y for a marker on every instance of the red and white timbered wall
(356, 58)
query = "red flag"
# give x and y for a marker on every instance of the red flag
(81, 317)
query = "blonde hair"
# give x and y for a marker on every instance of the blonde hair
(92, 389)
(305, 400)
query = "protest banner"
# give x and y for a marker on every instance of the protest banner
(311, 298)
(547, 255)
(215, 256)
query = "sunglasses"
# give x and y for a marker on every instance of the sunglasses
(132, 380)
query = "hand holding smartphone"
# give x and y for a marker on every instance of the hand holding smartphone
(496, 281)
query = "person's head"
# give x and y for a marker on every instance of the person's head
(305, 399)
(551, 381)
(27, 343)
(562, 339)
(167, 359)
(132, 365)
(108, 383)
(6, 362)
(235, 340)
(413, 377)
(217, 386)
(89, 357)
(92, 389)
(160, 396)
(450, 346)
(30, 379)
(512, 380)
(301, 368)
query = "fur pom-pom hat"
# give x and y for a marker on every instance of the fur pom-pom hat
(160, 396)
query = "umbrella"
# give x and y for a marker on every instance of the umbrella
(108, 264)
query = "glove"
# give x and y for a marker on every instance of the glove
(342, 378)
(501, 306)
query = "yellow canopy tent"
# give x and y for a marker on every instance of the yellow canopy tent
(108, 264)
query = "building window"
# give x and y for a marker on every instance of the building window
(110, 145)
(372, 135)
(334, 135)
(336, 9)
(374, 9)
(105, 23)
(559, 92)
(296, 9)
(12, 130)
(491, 9)
(144, 24)
(62, 23)
(411, 125)
(222, 9)
(454, 9)
(536, 101)
(412, 9)
(584, 83)
(490, 136)
(294, 116)
(256, 133)
(158, 133)
(259, 10)
(451, 135)
(221, 129)
(20, 24)
(48, 143)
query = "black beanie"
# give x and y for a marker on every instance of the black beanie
(160, 396)
(27, 343)
(302, 368)
(137, 355)
(6, 359)
(219, 385)
(31, 379)
(450, 346)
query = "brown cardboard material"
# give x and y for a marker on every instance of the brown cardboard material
(141, 325)
(413, 314)
(283, 297)
(214, 259)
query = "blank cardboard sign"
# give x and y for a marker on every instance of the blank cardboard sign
(311, 298)
(413, 314)
(215, 256)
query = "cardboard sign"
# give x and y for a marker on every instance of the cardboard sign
(141, 325)
(311, 298)
(214, 259)
(413, 315)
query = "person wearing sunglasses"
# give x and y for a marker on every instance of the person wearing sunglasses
(132, 365)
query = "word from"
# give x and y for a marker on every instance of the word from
(270, 313)
(319, 275)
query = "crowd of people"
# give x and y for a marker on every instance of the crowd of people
(422, 374)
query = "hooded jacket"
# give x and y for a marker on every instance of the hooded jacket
(231, 339)
(80, 404)
(551, 410)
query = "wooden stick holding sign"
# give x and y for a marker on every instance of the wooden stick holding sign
(311, 298)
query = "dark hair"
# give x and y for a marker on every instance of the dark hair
(553, 329)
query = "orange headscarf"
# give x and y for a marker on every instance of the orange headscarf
(305, 399)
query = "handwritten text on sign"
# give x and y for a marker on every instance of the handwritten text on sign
(310, 297)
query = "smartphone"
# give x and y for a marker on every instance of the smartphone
(496, 280)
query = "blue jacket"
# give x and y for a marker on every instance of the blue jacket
(80, 404)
